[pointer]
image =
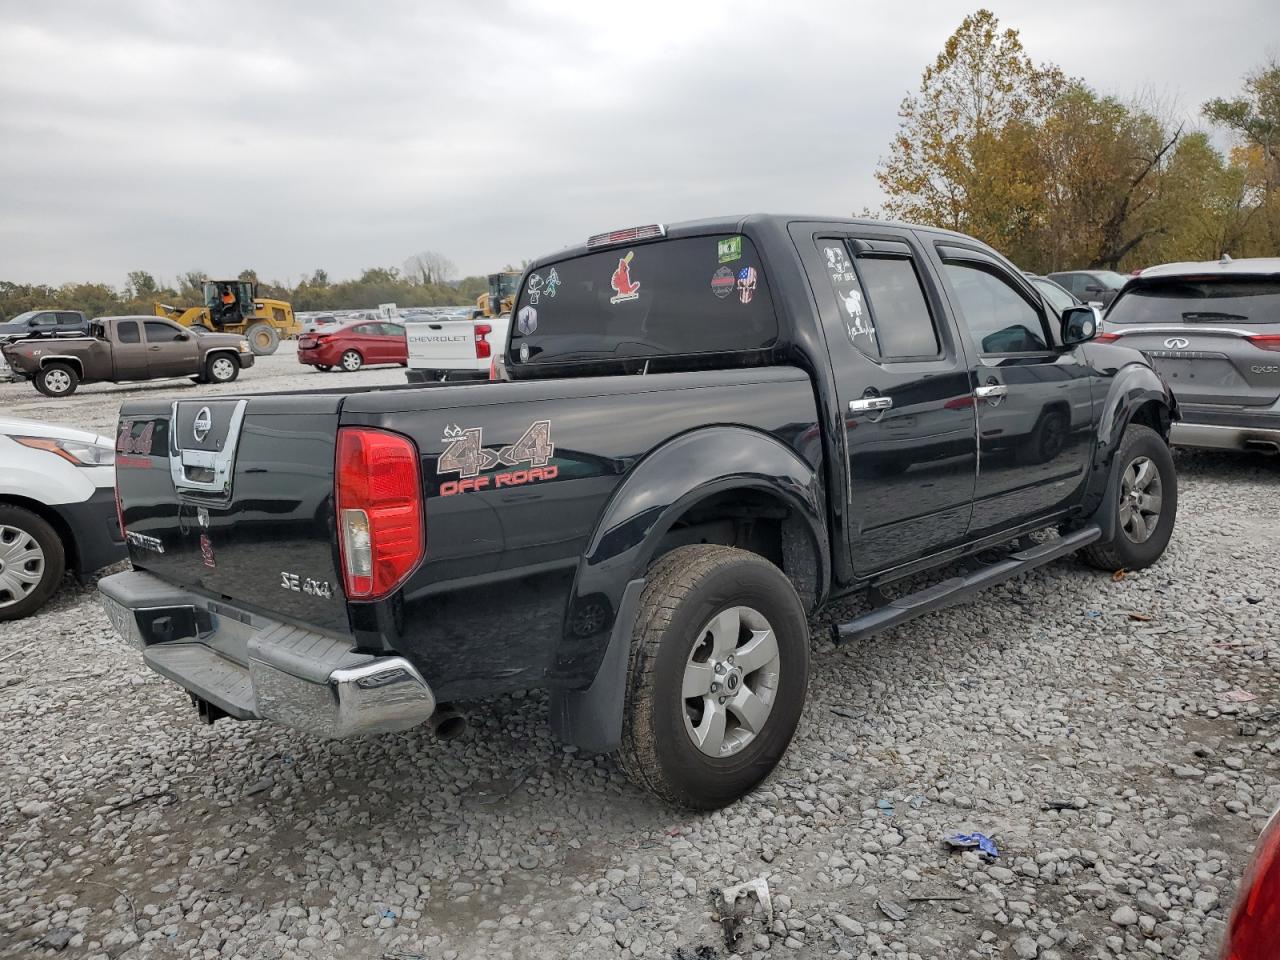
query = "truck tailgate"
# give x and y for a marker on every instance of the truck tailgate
(441, 344)
(234, 497)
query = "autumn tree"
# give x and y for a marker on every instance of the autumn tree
(965, 153)
(1253, 118)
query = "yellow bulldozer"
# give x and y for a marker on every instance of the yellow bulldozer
(501, 297)
(233, 306)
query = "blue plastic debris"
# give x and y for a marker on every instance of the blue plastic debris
(1094, 614)
(388, 914)
(885, 806)
(971, 841)
(916, 800)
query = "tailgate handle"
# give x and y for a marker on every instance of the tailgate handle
(204, 471)
(435, 326)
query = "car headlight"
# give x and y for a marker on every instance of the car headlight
(244, 346)
(79, 452)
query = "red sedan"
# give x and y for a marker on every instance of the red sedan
(352, 347)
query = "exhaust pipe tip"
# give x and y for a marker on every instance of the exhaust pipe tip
(448, 722)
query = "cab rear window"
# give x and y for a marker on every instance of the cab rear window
(694, 295)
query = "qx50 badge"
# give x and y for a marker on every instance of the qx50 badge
(466, 455)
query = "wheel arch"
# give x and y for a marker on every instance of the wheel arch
(70, 361)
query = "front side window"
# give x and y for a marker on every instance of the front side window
(1000, 319)
(158, 332)
(127, 332)
(694, 295)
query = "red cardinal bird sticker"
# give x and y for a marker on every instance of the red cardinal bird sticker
(622, 283)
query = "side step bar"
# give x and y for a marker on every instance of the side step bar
(959, 588)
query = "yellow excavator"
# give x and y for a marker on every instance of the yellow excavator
(233, 306)
(501, 296)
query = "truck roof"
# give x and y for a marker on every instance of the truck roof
(737, 224)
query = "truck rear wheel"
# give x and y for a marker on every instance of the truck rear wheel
(263, 339)
(717, 676)
(57, 380)
(1144, 504)
(32, 561)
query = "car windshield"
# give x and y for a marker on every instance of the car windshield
(695, 295)
(1111, 278)
(23, 317)
(1200, 300)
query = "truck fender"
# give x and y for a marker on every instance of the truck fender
(1135, 391)
(610, 576)
(73, 361)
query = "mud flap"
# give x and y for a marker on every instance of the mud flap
(591, 719)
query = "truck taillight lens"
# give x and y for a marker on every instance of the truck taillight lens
(1266, 341)
(1254, 929)
(482, 345)
(119, 510)
(380, 511)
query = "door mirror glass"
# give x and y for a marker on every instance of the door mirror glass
(182, 336)
(1079, 324)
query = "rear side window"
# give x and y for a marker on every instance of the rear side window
(161, 332)
(898, 308)
(694, 295)
(1200, 300)
(127, 331)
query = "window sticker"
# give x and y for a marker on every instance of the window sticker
(838, 265)
(858, 324)
(746, 284)
(723, 282)
(624, 287)
(533, 289)
(553, 282)
(526, 320)
(466, 455)
(729, 250)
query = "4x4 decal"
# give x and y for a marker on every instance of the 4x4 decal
(466, 455)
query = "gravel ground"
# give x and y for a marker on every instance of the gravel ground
(1088, 724)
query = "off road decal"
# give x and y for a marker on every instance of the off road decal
(468, 457)
(729, 250)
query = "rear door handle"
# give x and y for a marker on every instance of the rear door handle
(870, 404)
(991, 391)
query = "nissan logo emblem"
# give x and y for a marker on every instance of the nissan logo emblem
(1177, 343)
(201, 425)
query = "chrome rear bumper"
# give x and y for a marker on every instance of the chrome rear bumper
(251, 667)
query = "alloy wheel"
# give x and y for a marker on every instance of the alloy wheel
(1141, 497)
(730, 681)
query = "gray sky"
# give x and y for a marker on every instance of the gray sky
(168, 135)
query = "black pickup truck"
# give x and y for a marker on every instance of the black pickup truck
(703, 434)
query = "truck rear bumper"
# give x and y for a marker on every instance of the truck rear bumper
(251, 667)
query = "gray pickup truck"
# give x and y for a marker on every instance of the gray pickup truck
(121, 349)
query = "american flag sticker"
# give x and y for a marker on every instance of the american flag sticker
(746, 284)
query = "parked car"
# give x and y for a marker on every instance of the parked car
(642, 518)
(44, 321)
(57, 511)
(1091, 286)
(1213, 331)
(354, 346)
(319, 322)
(1253, 932)
(120, 349)
(454, 348)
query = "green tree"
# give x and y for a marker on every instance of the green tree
(1253, 118)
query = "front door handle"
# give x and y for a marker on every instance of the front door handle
(153, 348)
(992, 391)
(870, 404)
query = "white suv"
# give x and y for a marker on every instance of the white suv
(57, 510)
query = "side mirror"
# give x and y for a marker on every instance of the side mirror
(1079, 325)
(183, 336)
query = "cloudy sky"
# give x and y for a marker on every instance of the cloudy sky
(170, 135)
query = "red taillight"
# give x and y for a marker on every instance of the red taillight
(1266, 341)
(482, 345)
(380, 514)
(323, 338)
(1254, 929)
(1107, 337)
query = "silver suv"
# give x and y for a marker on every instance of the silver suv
(1213, 332)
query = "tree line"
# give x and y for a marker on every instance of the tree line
(425, 280)
(1057, 175)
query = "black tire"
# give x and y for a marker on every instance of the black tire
(18, 524)
(263, 338)
(221, 368)
(351, 361)
(1123, 552)
(686, 589)
(57, 380)
(323, 367)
